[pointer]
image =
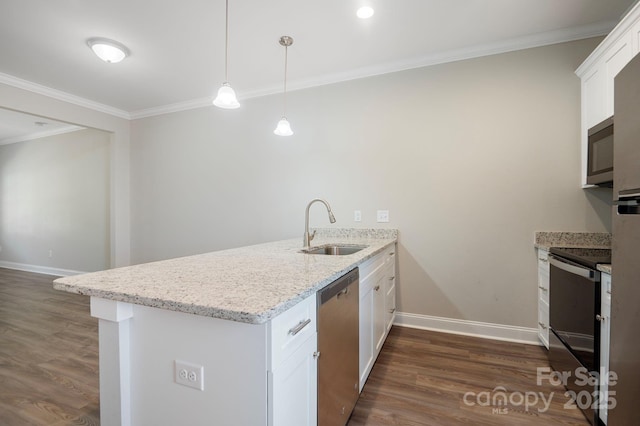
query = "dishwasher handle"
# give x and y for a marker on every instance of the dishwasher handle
(571, 268)
(338, 287)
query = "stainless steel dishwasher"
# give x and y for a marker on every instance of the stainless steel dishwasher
(338, 344)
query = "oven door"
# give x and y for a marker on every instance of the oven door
(574, 338)
(574, 303)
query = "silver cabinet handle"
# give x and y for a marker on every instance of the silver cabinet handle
(298, 328)
(376, 288)
(608, 291)
(544, 327)
(600, 317)
(543, 288)
(316, 354)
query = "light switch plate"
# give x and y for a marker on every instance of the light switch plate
(357, 216)
(383, 216)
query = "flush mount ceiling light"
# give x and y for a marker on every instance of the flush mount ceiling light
(108, 50)
(226, 95)
(365, 12)
(284, 128)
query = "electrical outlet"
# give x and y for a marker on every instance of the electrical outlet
(50, 254)
(357, 216)
(383, 216)
(189, 374)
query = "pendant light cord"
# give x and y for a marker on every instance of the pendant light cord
(286, 50)
(226, 42)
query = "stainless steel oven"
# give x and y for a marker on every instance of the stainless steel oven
(574, 318)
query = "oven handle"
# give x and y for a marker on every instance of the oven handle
(573, 269)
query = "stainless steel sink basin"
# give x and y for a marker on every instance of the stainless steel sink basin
(334, 249)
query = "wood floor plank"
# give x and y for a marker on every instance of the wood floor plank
(427, 378)
(48, 354)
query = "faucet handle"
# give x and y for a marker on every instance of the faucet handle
(312, 236)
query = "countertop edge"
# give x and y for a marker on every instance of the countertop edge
(220, 313)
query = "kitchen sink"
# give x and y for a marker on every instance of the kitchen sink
(334, 249)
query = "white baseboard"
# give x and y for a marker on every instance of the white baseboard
(484, 330)
(39, 269)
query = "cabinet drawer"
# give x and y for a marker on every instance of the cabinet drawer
(291, 329)
(543, 323)
(371, 266)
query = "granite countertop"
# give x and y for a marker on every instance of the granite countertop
(249, 284)
(604, 267)
(546, 240)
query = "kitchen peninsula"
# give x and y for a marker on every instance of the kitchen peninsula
(224, 319)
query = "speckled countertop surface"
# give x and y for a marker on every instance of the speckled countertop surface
(249, 284)
(546, 240)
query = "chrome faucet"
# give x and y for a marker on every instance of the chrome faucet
(306, 240)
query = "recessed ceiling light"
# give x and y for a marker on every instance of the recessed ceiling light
(108, 50)
(365, 12)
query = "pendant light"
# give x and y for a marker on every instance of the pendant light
(284, 128)
(226, 95)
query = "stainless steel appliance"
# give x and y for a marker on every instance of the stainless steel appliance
(600, 154)
(338, 344)
(624, 356)
(574, 317)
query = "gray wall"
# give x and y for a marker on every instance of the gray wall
(55, 197)
(470, 158)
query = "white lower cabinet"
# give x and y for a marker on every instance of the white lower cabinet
(293, 376)
(377, 307)
(543, 297)
(293, 388)
(605, 333)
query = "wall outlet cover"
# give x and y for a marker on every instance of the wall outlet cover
(383, 216)
(188, 374)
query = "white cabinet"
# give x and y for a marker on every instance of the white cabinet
(377, 307)
(605, 332)
(543, 297)
(293, 381)
(598, 71)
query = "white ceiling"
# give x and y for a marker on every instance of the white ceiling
(177, 47)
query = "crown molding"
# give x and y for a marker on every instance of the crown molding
(520, 43)
(62, 96)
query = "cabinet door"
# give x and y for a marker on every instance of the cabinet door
(379, 315)
(593, 98)
(543, 297)
(366, 331)
(390, 301)
(617, 57)
(293, 391)
(605, 332)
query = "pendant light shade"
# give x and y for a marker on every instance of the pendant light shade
(284, 128)
(226, 95)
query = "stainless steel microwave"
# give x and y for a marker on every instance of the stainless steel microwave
(600, 154)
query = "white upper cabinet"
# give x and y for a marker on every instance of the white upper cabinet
(597, 74)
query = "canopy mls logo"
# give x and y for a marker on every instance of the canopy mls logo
(499, 399)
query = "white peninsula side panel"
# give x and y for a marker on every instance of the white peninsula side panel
(142, 348)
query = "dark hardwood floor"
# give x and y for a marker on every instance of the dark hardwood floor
(428, 378)
(49, 369)
(48, 354)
